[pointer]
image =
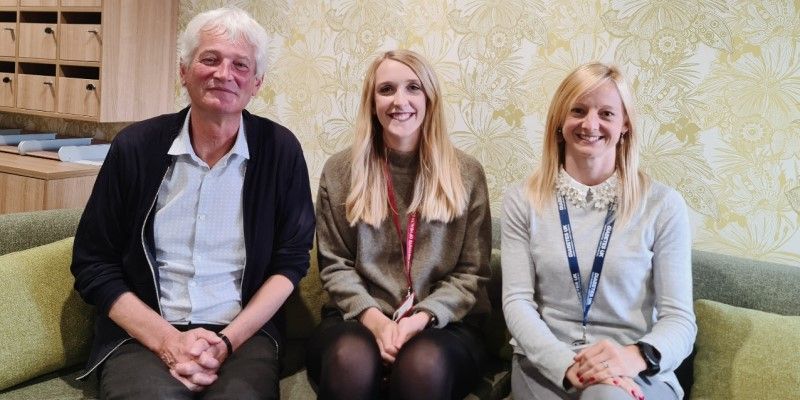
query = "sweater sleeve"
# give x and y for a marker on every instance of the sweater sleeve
(674, 331)
(294, 235)
(336, 251)
(548, 354)
(456, 293)
(101, 235)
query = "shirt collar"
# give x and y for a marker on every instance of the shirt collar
(599, 196)
(183, 143)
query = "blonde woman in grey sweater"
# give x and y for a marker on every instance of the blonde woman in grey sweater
(597, 285)
(404, 237)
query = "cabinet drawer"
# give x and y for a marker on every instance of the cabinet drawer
(78, 96)
(7, 89)
(80, 42)
(8, 39)
(80, 3)
(36, 42)
(36, 92)
(38, 3)
(20, 193)
(5, 3)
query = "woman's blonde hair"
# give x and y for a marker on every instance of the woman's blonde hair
(540, 186)
(439, 192)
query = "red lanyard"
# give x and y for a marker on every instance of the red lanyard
(407, 248)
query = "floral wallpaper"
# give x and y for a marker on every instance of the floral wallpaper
(717, 84)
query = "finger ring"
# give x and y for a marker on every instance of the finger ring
(604, 364)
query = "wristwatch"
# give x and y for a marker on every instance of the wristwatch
(651, 357)
(431, 321)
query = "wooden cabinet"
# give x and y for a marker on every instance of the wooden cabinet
(31, 183)
(78, 96)
(38, 3)
(36, 92)
(81, 42)
(94, 60)
(7, 85)
(37, 40)
(80, 3)
(8, 39)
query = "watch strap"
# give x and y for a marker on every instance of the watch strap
(652, 358)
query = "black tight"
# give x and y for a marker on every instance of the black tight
(344, 363)
(423, 369)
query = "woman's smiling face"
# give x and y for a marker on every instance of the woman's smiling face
(594, 124)
(399, 104)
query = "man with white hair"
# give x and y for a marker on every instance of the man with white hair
(198, 229)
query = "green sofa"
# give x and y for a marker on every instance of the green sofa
(45, 366)
(37, 297)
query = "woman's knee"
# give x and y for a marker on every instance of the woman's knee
(424, 356)
(352, 350)
(604, 392)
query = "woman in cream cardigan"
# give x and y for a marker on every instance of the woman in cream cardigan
(597, 285)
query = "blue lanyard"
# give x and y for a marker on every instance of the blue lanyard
(572, 258)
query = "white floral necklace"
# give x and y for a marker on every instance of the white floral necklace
(598, 196)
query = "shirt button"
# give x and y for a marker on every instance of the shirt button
(201, 217)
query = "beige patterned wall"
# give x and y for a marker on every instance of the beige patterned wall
(717, 82)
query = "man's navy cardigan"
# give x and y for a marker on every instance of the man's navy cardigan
(113, 250)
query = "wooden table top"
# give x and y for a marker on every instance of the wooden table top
(42, 168)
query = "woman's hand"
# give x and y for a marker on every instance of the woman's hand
(628, 385)
(606, 359)
(409, 326)
(623, 382)
(385, 332)
(572, 377)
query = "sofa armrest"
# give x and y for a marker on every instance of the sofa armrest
(45, 325)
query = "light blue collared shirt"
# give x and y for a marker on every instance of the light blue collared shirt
(199, 233)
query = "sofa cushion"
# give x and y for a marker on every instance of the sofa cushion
(304, 305)
(745, 354)
(46, 326)
(24, 230)
(495, 331)
(757, 285)
(62, 384)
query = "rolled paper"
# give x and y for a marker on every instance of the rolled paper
(27, 146)
(13, 140)
(93, 153)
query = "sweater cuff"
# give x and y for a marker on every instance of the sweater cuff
(109, 295)
(358, 305)
(557, 365)
(668, 360)
(443, 315)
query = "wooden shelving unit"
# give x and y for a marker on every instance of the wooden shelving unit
(94, 60)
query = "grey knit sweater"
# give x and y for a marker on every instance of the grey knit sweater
(362, 267)
(644, 293)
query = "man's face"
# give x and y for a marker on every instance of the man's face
(221, 77)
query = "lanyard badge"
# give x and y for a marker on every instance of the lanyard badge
(406, 247)
(572, 258)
